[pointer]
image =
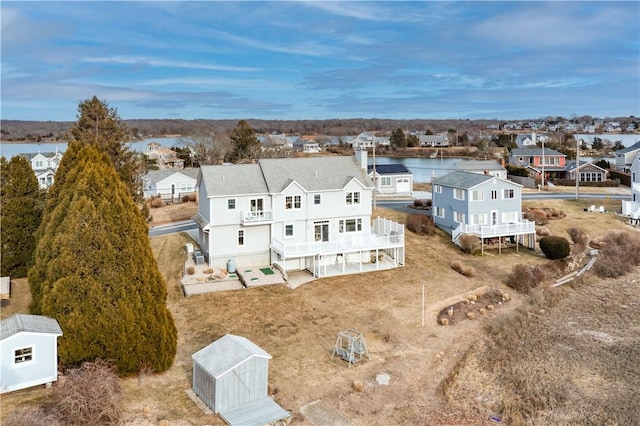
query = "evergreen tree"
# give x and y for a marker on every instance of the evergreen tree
(101, 126)
(96, 274)
(21, 206)
(398, 139)
(244, 141)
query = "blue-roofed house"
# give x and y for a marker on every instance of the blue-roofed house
(481, 205)
(28, 351)
(231, 376)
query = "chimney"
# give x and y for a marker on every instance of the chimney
(361, 159)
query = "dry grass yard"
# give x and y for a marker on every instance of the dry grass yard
(568, 358)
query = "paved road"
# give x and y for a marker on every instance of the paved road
(401, 206)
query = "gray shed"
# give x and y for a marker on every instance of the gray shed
(231, 376)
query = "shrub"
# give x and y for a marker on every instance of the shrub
(620, 253)
(555, 247)
(90, 395)
(466, 270)
(537, 216)
(156, 202)
(421, 224)
(522, 278)
(579, 238)
(469, 243)
(191, 270)
(189, 198)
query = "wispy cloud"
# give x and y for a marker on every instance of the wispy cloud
(153, 62)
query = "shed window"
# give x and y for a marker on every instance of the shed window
(23, 355)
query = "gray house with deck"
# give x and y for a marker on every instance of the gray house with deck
(481, 205)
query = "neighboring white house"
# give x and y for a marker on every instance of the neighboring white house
(632, 208)
(366, 140)
(170, 183)
(166, 158)
(482, 205)
(530, 140)
(309, 213)
(625, 157)
(484, 167)
(28, 351)
(441, 139)
(44, 165)
(231, 376)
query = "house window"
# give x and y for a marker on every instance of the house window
(231, 204)
(478, 219)
(385, 181)
(508, 193)
(458, 217)
(292, 202)
(494, 194)
(23, 355)
(316, 199)
(458, 194)
(288, 231)
(240, 237)
(440, 212)
(437, 188)
(39, 164)
(350, 225)
(509, 217)
(353, 198)
(477, 196)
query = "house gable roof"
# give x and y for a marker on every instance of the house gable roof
(571, 166)
(236, 179)
(28, 323)
(226, 353)
(312, 173)
(156, 176)
(389, 169)
(467, 180)
(535, 152)
(634, 147)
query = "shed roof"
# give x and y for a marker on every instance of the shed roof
(226, 353)
(28, 323)
(389, 169)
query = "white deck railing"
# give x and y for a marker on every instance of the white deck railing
(257, 217)
(361, 242)
(491, 231)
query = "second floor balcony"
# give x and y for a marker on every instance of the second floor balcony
(258, 217)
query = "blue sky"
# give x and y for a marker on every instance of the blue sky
(320, 60)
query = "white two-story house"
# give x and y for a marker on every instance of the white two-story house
(44, 165)
(481, 205)
(631, 208)
(299, 213)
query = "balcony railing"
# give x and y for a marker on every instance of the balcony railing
(257, 217)
(490, 231)
(342, 245)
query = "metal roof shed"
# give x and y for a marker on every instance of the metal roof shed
(231, 376)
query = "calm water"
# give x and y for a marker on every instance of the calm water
(9, 150)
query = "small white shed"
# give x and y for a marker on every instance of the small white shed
(28, 351)
(5, 287)
(231, 377)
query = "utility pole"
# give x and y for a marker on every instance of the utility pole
(375, 183)
(577, 168)
(542, 182)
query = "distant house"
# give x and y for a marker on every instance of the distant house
(631, 208)
(536, 160)
(170, 183)
(366, 140)
(166, 158)
(625, 157)
(44, 165)
(589, 172)
(485, 167)
(28, 351)
(530, 140)
(231, 376)
(439, 140)
(481, 205)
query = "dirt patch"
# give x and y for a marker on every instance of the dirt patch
(475, 306)
(172, 213)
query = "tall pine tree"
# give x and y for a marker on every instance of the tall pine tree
(244, 141)
(21, 206)
(95, 272)
(101, 126)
